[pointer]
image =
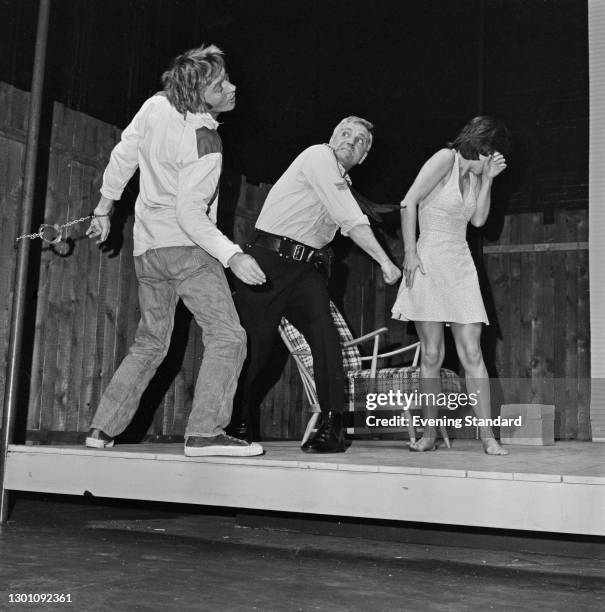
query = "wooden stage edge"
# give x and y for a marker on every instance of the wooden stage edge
(556, 489)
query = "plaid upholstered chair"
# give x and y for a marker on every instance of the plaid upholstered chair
(360, 381)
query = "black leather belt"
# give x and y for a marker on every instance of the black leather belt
(288, 248)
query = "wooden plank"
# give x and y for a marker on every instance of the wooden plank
(560, 323)
(536, 247)
(62, 277)
(514, 329)
(583, 341)
(68, 363)
(75, 268)
(110, 274)
(547, 310)
(82, 259)
(85, 252)
(504, 310)
(534, 303)
(51, 283)
(89, 396)
(38, 354)
(571, 334)
(526, 308)
(63, 317)
(100, 375)
(505, 234)
(495, 299)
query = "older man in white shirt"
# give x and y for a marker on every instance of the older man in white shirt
(299, 218)
(178, 251)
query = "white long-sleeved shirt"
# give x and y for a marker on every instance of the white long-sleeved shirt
(311, 200)
(180, 164)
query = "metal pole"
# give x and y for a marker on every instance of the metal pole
(16, 332)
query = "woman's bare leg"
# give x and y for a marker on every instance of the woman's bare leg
(432, 352)
(468, 345)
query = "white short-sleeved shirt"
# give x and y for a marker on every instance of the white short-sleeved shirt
(311, 200)
(180, 162)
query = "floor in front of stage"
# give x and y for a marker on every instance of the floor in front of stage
(558, 489)
(124, 555)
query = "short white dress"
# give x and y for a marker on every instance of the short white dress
(449, 289)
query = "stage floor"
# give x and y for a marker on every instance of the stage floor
(558, 488)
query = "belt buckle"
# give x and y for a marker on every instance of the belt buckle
(298, 252)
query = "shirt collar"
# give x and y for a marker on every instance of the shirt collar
(202, 120)
(341, 168)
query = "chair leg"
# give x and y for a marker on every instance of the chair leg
(310, 426)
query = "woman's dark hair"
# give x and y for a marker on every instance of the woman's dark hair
(189, 74)
(483, 135)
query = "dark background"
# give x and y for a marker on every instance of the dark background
(418, 69)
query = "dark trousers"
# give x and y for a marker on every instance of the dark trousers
(299, 292)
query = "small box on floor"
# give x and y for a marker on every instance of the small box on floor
(536, 428)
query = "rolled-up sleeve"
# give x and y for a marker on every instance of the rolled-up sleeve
(197, 183)
(124, 158)
(321, 170)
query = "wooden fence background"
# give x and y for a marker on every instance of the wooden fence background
(537, 288)
(534, 276)
(13, 133)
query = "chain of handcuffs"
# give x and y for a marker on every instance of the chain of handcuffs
(56, 228)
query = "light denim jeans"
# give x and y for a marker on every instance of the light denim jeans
(198, 279)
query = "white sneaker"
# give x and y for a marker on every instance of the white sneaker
(96, 438)
(221, 445)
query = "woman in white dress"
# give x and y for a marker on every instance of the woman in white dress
(440, 283)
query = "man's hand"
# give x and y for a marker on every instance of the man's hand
(390, 272)
(99, 228)
(411, 264)
(246, 269)
(363, 236)
(100, 225)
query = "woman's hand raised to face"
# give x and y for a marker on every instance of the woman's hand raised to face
(495, 165)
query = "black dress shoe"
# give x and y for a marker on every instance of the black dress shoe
(329, 438)
(240, 430)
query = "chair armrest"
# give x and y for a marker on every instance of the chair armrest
(403, 349)
(374, 358)
(368, 336)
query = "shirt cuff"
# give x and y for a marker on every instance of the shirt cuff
(111, 194)
(228, 253)
(361, 220)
